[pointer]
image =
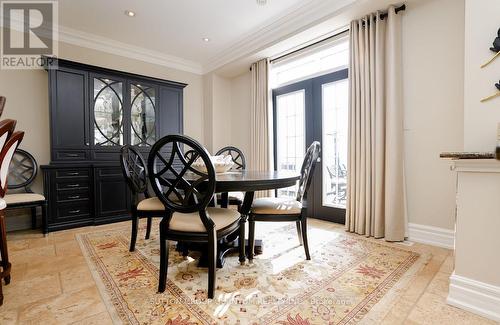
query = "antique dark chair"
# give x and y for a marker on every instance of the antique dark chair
(6, 154)
(134, 170)
(2, 105)
(186, 193)
(22, 172)
(232, 198)
(287, 209)
(6, 129)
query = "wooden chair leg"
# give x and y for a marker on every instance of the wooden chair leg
(251, 239)
(164, 250)
(1, 293)
(4, 253)
(148, 227)
(45, 222)
(299, 232)
(33, 217)
(241, 240)
(135, 229)
(304, 237)
(212, 262)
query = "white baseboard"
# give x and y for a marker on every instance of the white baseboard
(431, 235)
(474, 296)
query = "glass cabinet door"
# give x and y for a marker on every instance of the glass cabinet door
(142, 115)
(108, 112)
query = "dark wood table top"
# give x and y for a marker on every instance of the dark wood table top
(251, 181)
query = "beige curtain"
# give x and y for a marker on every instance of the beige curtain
(375, 174)
(259, 120)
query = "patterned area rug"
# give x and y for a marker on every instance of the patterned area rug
(347, 276)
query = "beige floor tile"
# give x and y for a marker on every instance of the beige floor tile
(65, 308)
(422, 279)
(440, 284)
(54, 265)
(8, 317)
(75, 279)
(99, 319)
(448, 265)
(19, 293)
(68, 248)
(398, 312)
(32, 255)
(432, 309)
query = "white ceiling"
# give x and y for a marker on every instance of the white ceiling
(172, 30)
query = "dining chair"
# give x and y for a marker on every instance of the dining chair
(186, 193)
(22, 172)
(238, 158)
(6, 154)
(2, 105)
(287, 209)
(135, 172)
(6, 129)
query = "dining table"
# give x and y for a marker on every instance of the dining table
(248, 182)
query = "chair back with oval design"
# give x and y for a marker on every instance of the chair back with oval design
(180, 186)
(236, 155)
(22, 170)
(134, 169)
(307, 170)
(6, 157)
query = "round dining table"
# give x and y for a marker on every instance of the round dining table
(249, 182)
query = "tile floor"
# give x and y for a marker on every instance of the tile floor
(51, 284)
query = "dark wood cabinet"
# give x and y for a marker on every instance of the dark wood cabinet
(94, 112)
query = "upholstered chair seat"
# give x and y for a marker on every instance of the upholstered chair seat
(273, 205)
(23, 198)
(191, 222)
(150, 204)
(3, 204)
(236, 196)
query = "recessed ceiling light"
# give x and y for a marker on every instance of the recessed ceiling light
(206, 39)
(261, 2)
(129, 13)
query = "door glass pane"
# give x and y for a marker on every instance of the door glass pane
(334, 148)
(142, 114)
(108, 112)
(290, 131)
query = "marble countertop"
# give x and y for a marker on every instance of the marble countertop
(467, 155)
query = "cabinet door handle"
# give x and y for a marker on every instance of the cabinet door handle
(74, 211)
(74, 197)
(74, 174)
(73, 185)
(71, 155)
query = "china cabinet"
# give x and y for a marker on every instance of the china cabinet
(94, 112)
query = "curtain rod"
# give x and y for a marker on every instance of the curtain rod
(382, 16)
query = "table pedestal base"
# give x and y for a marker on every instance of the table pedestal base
(223, 248)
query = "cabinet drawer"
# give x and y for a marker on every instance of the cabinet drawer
(73, 195)
(72, 210)
(74, 185)
(72, 173)
(69, 155)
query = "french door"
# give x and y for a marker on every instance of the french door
(315, 109)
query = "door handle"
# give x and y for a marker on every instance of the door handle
(74, 174)
(73, 185)
(74, 211)
(74, 197)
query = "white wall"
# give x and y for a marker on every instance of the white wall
(433, 84)
(482, 20)
(433, 102)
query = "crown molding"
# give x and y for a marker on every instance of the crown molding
(99, 43)
(294, 21)
(108, 45)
